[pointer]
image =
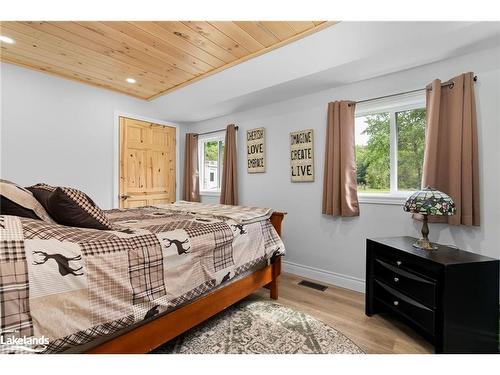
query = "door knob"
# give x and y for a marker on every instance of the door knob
(124, 196)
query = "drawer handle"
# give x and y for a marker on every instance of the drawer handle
(396, 303)
(396, 279)
(398, 262)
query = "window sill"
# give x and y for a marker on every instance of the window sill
(388, 199)
(210, 193)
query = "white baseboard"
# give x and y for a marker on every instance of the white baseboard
(329, 277)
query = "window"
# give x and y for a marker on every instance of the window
(211, 151)
(390, 140)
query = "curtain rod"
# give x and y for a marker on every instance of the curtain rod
(405, 92)
(215, 131)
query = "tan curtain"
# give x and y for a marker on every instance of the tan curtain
(451, 155)
(340, 190)
(191, 186)
(229, 188)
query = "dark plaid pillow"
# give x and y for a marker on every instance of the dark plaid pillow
(72, 207)
(42, 193)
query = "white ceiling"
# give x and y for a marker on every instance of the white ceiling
(344, 53)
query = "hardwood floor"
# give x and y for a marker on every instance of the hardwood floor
(344, 310)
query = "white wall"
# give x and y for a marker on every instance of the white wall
(333, 249)
(61, 132)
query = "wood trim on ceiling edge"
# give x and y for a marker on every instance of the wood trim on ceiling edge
(296, 37)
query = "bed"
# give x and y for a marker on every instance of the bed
(160, 271)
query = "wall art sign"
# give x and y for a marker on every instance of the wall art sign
(256, 159)
(302, 156)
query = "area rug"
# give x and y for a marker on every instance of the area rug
(260, 327)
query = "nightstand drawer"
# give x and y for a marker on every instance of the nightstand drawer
(406, 262)
(415, 286)
(405, 306)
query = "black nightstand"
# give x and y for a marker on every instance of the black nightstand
(449, 296)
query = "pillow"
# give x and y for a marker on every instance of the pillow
(7, 207)
(71, 207)
(16, 200)
(42, 193)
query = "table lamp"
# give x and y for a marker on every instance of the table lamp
(427, 202)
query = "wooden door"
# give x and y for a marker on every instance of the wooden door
(147, 163)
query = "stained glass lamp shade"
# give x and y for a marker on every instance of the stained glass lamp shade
(426, 202)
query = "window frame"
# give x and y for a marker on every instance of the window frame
(399, 103)
(202, 139)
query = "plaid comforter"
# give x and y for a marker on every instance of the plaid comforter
(61, 286)
(240, 214)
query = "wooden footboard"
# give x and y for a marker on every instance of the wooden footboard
(150, 335)
(276, 220)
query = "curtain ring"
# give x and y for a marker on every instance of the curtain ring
(451, 85)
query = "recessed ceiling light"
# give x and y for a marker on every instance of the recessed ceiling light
(6, 39)
(131, 80)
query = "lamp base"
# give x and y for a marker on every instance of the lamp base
(425, 244)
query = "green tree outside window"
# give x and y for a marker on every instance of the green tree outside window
(373, 158)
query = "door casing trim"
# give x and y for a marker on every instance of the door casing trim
(116, 151)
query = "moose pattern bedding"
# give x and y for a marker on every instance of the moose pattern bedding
(61, 286)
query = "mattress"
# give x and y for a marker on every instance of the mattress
(65, 287)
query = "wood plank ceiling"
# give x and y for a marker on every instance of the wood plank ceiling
(159, 56)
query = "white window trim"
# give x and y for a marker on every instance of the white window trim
(395, 104)
(207, 193)
(201, 139)
(383, 198)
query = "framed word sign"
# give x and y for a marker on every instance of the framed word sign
(256, 160)
(302, 156)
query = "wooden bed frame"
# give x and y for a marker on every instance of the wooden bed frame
(150, 335)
